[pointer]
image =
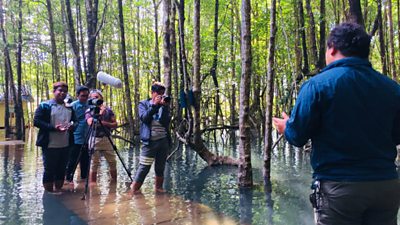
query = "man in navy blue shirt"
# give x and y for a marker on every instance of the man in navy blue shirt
(351, 113)
(79, 151)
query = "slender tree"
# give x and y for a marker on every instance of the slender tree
(355, 14)
(322, 33)
(54, 56)
(196, 71)
(270, 95)
(391, 40)
(70, 28)
(167, 45)
(127, 88)
(381, 38)
(245, 170)
(156, 44)
(19, 111)
(313, 41)
(213, 70)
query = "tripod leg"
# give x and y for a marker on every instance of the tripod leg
(116, 151)
(73, 163)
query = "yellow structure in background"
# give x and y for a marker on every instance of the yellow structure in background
(26, 98)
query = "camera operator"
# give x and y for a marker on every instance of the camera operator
(79, 106)
(56, 124)
(101, 144)
(155, 117)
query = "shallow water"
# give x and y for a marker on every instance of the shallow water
(187, 177)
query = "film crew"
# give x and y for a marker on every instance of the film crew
(154, 116)
(79, 150)
(56, 123)
(102, 146)
(351, 113)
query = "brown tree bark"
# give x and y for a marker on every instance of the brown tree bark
(245, 170)
(196, 72)
(355, 14)
(381, 38)
(127, 87)
(82, 44)
(156, 44)
(302, 28)
(19, 111)
(313, 41)
(136, 96)
(54, 56)
(167, 45)
(70, 27)
(93, 30)
(233, 65)
(391, 41)
(176, 109)
(270, 96)
(322, 35)
(213, 70)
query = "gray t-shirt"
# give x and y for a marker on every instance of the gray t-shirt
(59, 115)
(157, 130)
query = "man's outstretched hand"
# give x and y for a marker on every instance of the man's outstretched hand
(280, 123)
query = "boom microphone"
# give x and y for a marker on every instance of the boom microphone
(108, 79)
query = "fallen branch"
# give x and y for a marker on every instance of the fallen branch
(223, 127)
(122, 138)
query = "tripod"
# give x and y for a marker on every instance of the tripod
(90, 141)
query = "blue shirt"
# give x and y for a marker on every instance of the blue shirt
(351, 113)
(80, 132)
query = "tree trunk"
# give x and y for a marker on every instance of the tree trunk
(196, 72)
(355, 14)
(167, 46)
(7, 72)
(19, 111)
(185, 135)
(182, 48)
(322, 33)
(176, 108)
(245, 171)
(127, 88)
(314, 50)
(82, 44)
(302, 28)
(391, 41)
(92, 20)
(381, 38)
(73, 43)
(156, 45)
(270, 96)
(54, 56)
(213, 70)
(136, 96)
(233, 66)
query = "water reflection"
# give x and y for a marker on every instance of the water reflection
(188, 179)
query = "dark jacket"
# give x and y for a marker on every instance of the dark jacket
(352, 115)
(42, 119)
(146, 112)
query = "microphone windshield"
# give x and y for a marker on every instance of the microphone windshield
(108, 79)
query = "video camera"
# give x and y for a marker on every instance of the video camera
(95, 102)
(166, 98)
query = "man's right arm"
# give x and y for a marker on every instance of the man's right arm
(146, 113)
(305, 117)
(38, 119)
